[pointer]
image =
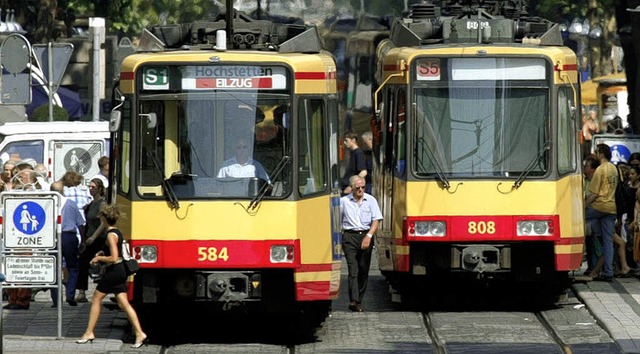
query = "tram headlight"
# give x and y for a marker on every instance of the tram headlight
(147, 254)
(428, 228)
(281, 254)
(535, 228)
(525, 228)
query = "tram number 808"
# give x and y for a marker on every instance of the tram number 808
(212, 254)
(481, 227)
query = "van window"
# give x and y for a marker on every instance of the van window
(20, 150)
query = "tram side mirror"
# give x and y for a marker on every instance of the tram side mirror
(114, 121)
(152, 119)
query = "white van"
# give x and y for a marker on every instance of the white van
(60, 146)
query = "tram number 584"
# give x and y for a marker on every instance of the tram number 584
(481, 227)
(212, 254)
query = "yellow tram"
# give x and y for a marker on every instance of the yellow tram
(478, 169)
(262, 235)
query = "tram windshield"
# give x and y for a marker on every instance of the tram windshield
(481, 117)
(214, 144)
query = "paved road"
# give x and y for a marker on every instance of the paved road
(383, 328)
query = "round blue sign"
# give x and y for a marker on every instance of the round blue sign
(620, 153)
(29, 218)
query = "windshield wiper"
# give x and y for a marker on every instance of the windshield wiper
(265, 187)
(546, 146)
(166, 185)
(436, 165)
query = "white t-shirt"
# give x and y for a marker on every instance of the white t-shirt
(232, 168)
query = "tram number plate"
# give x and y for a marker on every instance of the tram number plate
(481, 227)
(212, 254)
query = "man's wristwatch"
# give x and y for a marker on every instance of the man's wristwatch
(369, 235)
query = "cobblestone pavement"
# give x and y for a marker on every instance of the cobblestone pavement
(615, 306)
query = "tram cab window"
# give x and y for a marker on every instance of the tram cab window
(194, 138)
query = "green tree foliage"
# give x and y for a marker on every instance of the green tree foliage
(129, 17)
(597, 13)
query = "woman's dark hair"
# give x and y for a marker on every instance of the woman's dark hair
(99, 185)
(634, 157)
(605, 150)
(592, 161)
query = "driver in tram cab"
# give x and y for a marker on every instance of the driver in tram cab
(241, 165)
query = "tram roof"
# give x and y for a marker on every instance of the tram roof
(245, 34)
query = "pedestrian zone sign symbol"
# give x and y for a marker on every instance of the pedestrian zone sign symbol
(30, 222)
(30, 217)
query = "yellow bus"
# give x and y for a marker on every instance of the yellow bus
(478, 171)
(225, 162)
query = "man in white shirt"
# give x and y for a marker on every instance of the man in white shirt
(242, 165)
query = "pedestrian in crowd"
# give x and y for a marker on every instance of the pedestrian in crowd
(359, 217)
(622, 227)
(95, 237)
(601, 207)
(592, 243)
(367, 140)
(7, 175)
(633, 181)
(5, 185)
(357, 164)
(590, 126)
(73, 189)
(23, 178)
(103, 174)
(636, 231)
(72, 224)
(42, 176)
(634, 159)
(113, 280)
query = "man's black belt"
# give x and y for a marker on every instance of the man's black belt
(359, 232)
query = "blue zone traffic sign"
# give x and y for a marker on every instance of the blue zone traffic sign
(29, 218)
(620, 153)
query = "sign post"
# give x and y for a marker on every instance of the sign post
(31, 254)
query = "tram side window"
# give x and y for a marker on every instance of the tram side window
(566, 134)
(387, 126)
(151, 159)
(311, 148)
(333, 146)
(124, 148)
(399, 135)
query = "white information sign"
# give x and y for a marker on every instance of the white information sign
(30, 269)
(29, 223)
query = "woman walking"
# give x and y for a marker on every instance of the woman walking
(113, 280)
(96, 236)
